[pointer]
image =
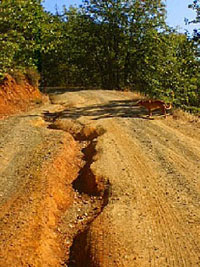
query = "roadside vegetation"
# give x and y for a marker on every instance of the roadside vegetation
(102, 44)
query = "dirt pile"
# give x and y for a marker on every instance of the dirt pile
(15, 97)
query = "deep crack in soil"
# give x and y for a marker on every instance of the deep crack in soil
(89, 190)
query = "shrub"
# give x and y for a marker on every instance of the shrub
(185, 115)
(191, 109)
(32, 76)
(18, 75)
(1, 78)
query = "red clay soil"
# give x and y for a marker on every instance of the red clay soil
(29, 229)
(15, 97)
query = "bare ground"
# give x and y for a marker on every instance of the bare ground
(91, 181)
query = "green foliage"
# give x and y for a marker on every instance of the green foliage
(21, 24)
(177, 71)
(191, 109)
(25, 74)
(103, 39)
(108, 44)
(195, 5)
(32, 76)
(18, 75)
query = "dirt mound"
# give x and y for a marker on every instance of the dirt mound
(15, 97)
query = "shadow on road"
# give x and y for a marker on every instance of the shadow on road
(63, 90)
(113, 109)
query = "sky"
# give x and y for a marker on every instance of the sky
(177, 10)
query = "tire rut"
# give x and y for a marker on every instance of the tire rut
(162, 207)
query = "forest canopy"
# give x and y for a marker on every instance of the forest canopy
(109, 44)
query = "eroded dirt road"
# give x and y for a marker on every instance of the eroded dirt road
(90, 181)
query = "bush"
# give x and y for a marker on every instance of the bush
(32, 76)
(18, 75)
(1, 78)
(191, 109)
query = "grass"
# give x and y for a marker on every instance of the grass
(179, 114)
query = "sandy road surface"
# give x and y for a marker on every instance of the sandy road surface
(153, 166)
(152, 169)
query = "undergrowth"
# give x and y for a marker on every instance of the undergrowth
(30, 75)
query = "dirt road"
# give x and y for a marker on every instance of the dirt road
(90, 180)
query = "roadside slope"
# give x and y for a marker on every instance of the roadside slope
(17, 97)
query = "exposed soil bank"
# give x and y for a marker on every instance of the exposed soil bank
(29, 228)
(15, 97)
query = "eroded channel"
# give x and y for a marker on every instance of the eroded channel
(91, 195)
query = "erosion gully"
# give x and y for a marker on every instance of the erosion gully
(91, 195)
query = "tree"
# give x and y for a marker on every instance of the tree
(117, 29)
(20, 24)
(195, 6)
(114, 44)
(109, 44)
